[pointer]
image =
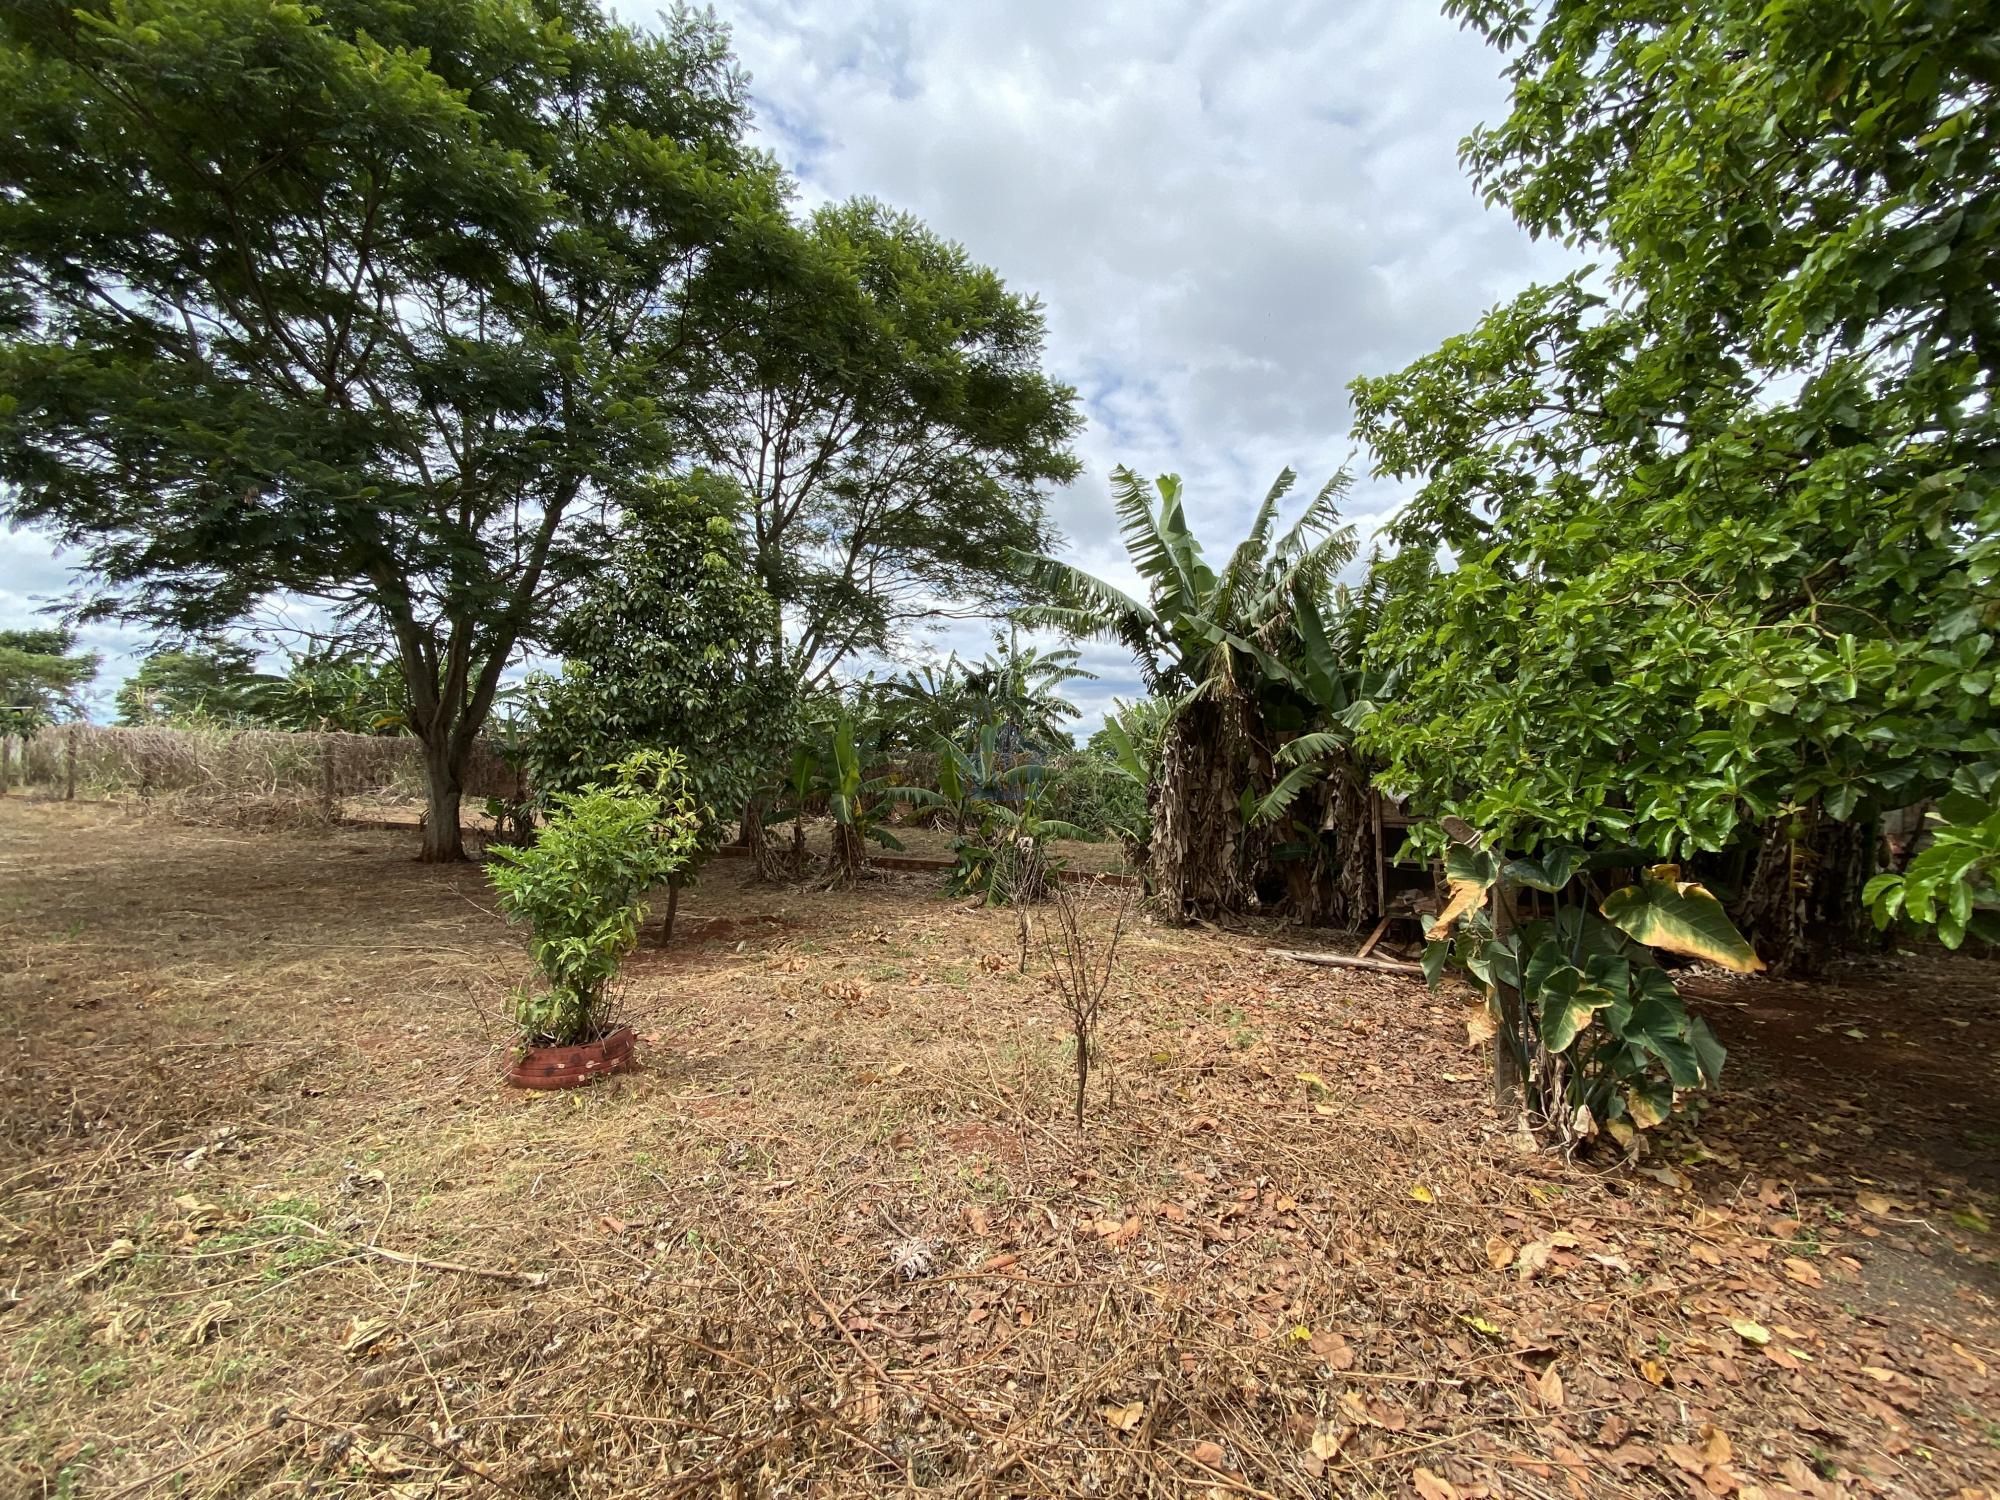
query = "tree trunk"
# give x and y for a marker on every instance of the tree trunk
(673, 906)
(1336, 886)
(1200, 858)
(1800, 904)
(757, 839)
(444, 779)
(1510, 1093)
(850, 855)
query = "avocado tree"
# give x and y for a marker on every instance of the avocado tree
(373, 303)
(1721, 518)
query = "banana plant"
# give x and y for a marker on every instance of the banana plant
(859, 805)
(801, 779)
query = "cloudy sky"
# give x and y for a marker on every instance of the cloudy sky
(1228, 207)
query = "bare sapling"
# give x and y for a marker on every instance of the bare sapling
(1080, 968)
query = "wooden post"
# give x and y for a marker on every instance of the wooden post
(327, 777)
(1381, 855)
(69, 764)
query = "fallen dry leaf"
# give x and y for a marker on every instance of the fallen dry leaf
(1123, 1418)
(1549, 1389)
(1432, 1487)
(1751, 1333)
(1804, 1272)
(1209, 1455)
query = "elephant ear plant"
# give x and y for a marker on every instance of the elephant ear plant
(580, 890)
(1588, 1029)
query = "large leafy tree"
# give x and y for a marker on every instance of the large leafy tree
(887, 415)
(42, 677)
(215, 682)
(1245, 654)
(368, 301)
(657, 655)
(1721, 515)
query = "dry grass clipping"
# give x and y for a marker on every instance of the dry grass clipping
(837, 1238)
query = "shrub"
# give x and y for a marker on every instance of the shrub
(580, 890)
(1096, 794)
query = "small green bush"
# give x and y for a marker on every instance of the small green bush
(1097, 795)
(580, 890)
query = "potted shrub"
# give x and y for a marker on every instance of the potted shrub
(580, 889)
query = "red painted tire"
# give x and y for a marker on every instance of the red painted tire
(566, 1067)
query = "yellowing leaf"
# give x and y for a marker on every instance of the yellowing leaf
(1664, 911)
(1480, 1027)
(1314, 1083)
(1423, 1194)
(1751, 1333)
(1480, 1325)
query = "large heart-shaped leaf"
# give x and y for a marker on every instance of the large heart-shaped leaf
(1549, 871)
(1568, 1001)
(1680, 916)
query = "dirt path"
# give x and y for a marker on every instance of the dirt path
(838, 1237)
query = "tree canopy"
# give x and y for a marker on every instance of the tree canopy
(1718, 518)
(886, 414)
(42, 676)
(370, 302)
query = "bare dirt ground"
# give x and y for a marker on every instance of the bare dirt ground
(270, 1226)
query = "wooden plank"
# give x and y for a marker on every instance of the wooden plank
(1349, 961)
(1373, 938)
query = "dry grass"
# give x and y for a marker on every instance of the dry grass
(838, 1237)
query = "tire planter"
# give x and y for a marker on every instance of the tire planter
(566, 1067)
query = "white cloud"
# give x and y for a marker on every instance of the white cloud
(1229, 210)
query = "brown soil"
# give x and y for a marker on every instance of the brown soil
(270, 1225)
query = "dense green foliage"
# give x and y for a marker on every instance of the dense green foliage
(41, 678)
(886, 413)
(1095, 794)
(580, 889)
(215, 682)
(657, 653)
(370, 302)
(1721, 516)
